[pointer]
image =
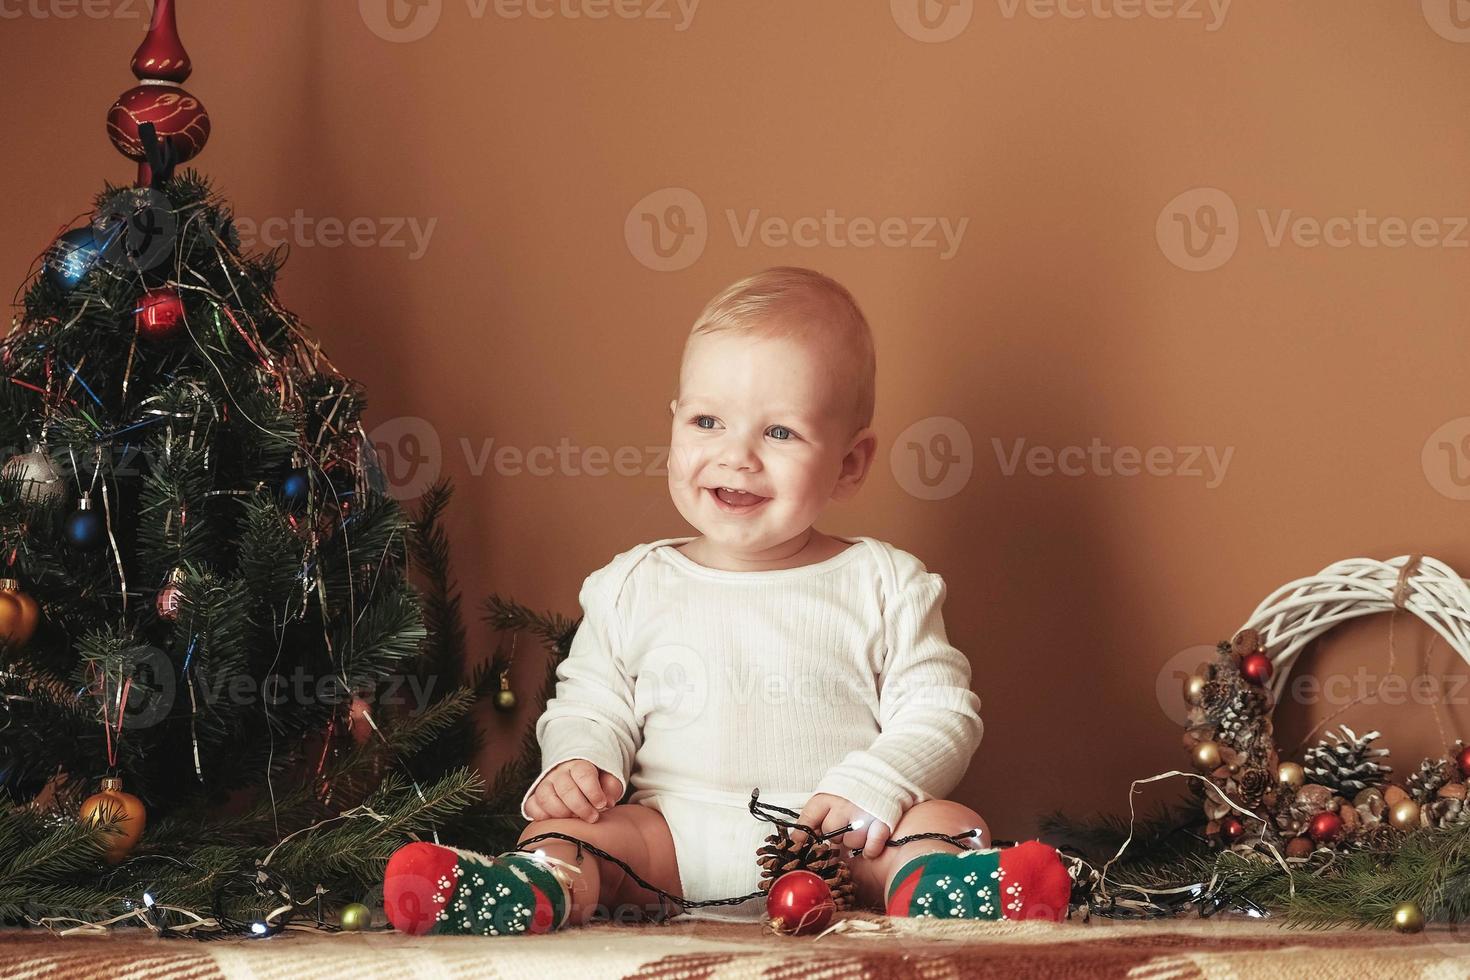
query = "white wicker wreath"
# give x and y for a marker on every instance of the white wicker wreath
(1299, 612)
(1340, 795)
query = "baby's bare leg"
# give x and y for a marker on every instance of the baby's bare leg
(933, 816)
(636, 834)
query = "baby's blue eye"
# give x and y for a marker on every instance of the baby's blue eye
(700, 421)
(780, 432)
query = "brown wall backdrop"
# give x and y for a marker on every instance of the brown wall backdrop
(1107, 156)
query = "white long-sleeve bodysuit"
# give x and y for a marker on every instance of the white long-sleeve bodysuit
(696, 685)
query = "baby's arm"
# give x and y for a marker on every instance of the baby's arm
(590, 718)
(929, 719)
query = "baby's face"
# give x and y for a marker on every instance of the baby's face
(772, 418)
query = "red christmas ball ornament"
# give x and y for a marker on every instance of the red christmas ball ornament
(175, 114)
(1256, 668)
(1231, 830)
(1462, 759)
(799, 903)
(159, 314)
(1325, 826)
(170, 596)
(359, 723)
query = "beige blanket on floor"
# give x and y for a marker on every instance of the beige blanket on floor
(867, 946)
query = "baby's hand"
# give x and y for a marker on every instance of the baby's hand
(574, 788)
(826, 813)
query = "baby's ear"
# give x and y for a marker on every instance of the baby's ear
(673, 403)
(856, 463)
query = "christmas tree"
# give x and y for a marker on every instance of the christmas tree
(220, 689)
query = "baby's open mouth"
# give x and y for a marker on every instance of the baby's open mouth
(736, 500)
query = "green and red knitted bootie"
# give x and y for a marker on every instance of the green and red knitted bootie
(429, 888)
(1028, 881)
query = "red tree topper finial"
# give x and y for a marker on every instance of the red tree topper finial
(161, 56)
(179, 120)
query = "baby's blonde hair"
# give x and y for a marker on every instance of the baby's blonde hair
(817, 307)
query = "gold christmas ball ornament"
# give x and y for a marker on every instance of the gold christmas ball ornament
(1291, 774)
(505, 698)
(1194, 688)
(17, 627)
(12, 621)
(356, 916)
(1404, 815)
(1206, 755)
(1408, 917)
(124, 814)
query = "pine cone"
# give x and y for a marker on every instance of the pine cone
(1241, 722)
(1432, 774)
(1215, 696)
(1447, 812)
(1376, 837)
(781, 853)
(1254, 782)
(1345, 762)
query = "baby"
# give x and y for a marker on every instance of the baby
(760, 653)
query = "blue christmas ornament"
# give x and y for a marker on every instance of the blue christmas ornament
(296, 486)
(85, 529)
(72, 256)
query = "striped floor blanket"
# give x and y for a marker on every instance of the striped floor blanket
(863, 947)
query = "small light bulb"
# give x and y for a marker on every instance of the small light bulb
(148, 900)
(259, 928)
(539, 854)
(859, 824)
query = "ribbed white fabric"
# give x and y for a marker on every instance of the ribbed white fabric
(697, 683)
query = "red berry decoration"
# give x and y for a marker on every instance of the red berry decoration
(800, 902)
(1231, 830)
(1463, 761)
(1326, 826)
(159, 314)
(1256, 668)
